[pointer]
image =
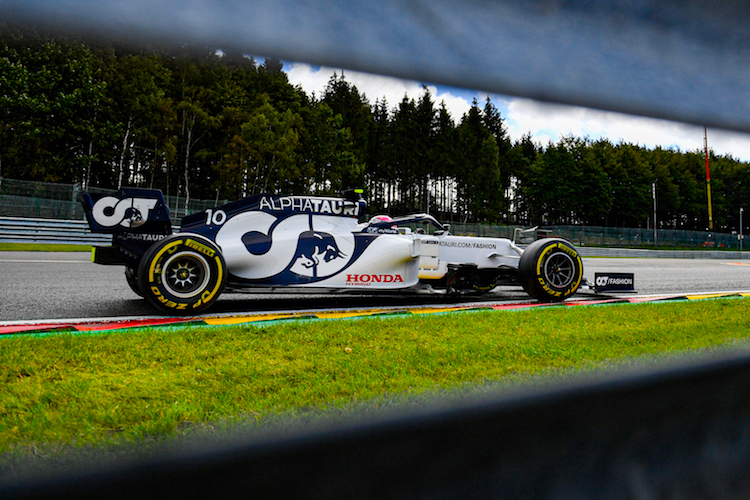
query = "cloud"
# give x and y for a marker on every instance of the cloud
(549, 122)
(546, 122)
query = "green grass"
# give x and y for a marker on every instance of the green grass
(42, 247)
(72, 392)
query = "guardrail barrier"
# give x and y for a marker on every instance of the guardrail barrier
(70, 232)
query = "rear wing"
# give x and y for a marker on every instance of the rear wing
(136, 218)
(130, 210)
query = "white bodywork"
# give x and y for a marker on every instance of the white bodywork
(484, 252)
(394, 258)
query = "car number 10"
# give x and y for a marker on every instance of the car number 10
(216, 218)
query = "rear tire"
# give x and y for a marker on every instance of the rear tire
(131, 276)
(550, 270)
(182, 274)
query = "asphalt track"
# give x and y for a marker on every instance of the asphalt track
(45, 285)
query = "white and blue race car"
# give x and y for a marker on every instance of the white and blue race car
(272, 243)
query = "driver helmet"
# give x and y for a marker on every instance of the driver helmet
(380, 218)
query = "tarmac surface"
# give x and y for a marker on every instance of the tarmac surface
(51, 285)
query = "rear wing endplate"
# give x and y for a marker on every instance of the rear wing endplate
(130, 210)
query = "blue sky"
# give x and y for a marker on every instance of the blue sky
(546, 122)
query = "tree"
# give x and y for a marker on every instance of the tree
(402, 155)
(520, 159)
(139, 108)
(263, 157)
(553, 190)
(444, 161)
(327, 150)
(669, 202)
(496, 126)
(378, 171)
(737, 194)
(50, 92)
(631, 177)
(345, 100)
(198, 113)
(478, 176)
(594, 199)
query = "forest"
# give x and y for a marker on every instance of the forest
(205, 123)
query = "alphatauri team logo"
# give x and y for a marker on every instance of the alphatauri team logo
(304, 244)
(127, 212)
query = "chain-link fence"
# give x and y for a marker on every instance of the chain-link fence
(663, 239)
(63, 201)
(39, 200)
(615, 237)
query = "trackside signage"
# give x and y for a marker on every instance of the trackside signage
(622, 282)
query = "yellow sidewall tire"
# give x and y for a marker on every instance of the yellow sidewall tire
(182, 274)
(550, 270)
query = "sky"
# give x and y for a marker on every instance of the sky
(545, 122)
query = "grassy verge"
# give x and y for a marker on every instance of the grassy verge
(42, 247)
(67, 392)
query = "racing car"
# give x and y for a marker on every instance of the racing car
(272, 243)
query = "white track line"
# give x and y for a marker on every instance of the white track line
(19, 261)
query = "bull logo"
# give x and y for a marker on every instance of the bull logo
(314, 254)
(135, 216)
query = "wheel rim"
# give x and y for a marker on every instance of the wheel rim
(559, 270)
(185, 274)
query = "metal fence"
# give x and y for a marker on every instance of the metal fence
(39, 200)
(663, 239)
(63, 201)
(616, 237)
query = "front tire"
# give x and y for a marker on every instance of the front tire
(182, 274)
(550, 270)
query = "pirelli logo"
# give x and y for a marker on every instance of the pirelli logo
(199, 247)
